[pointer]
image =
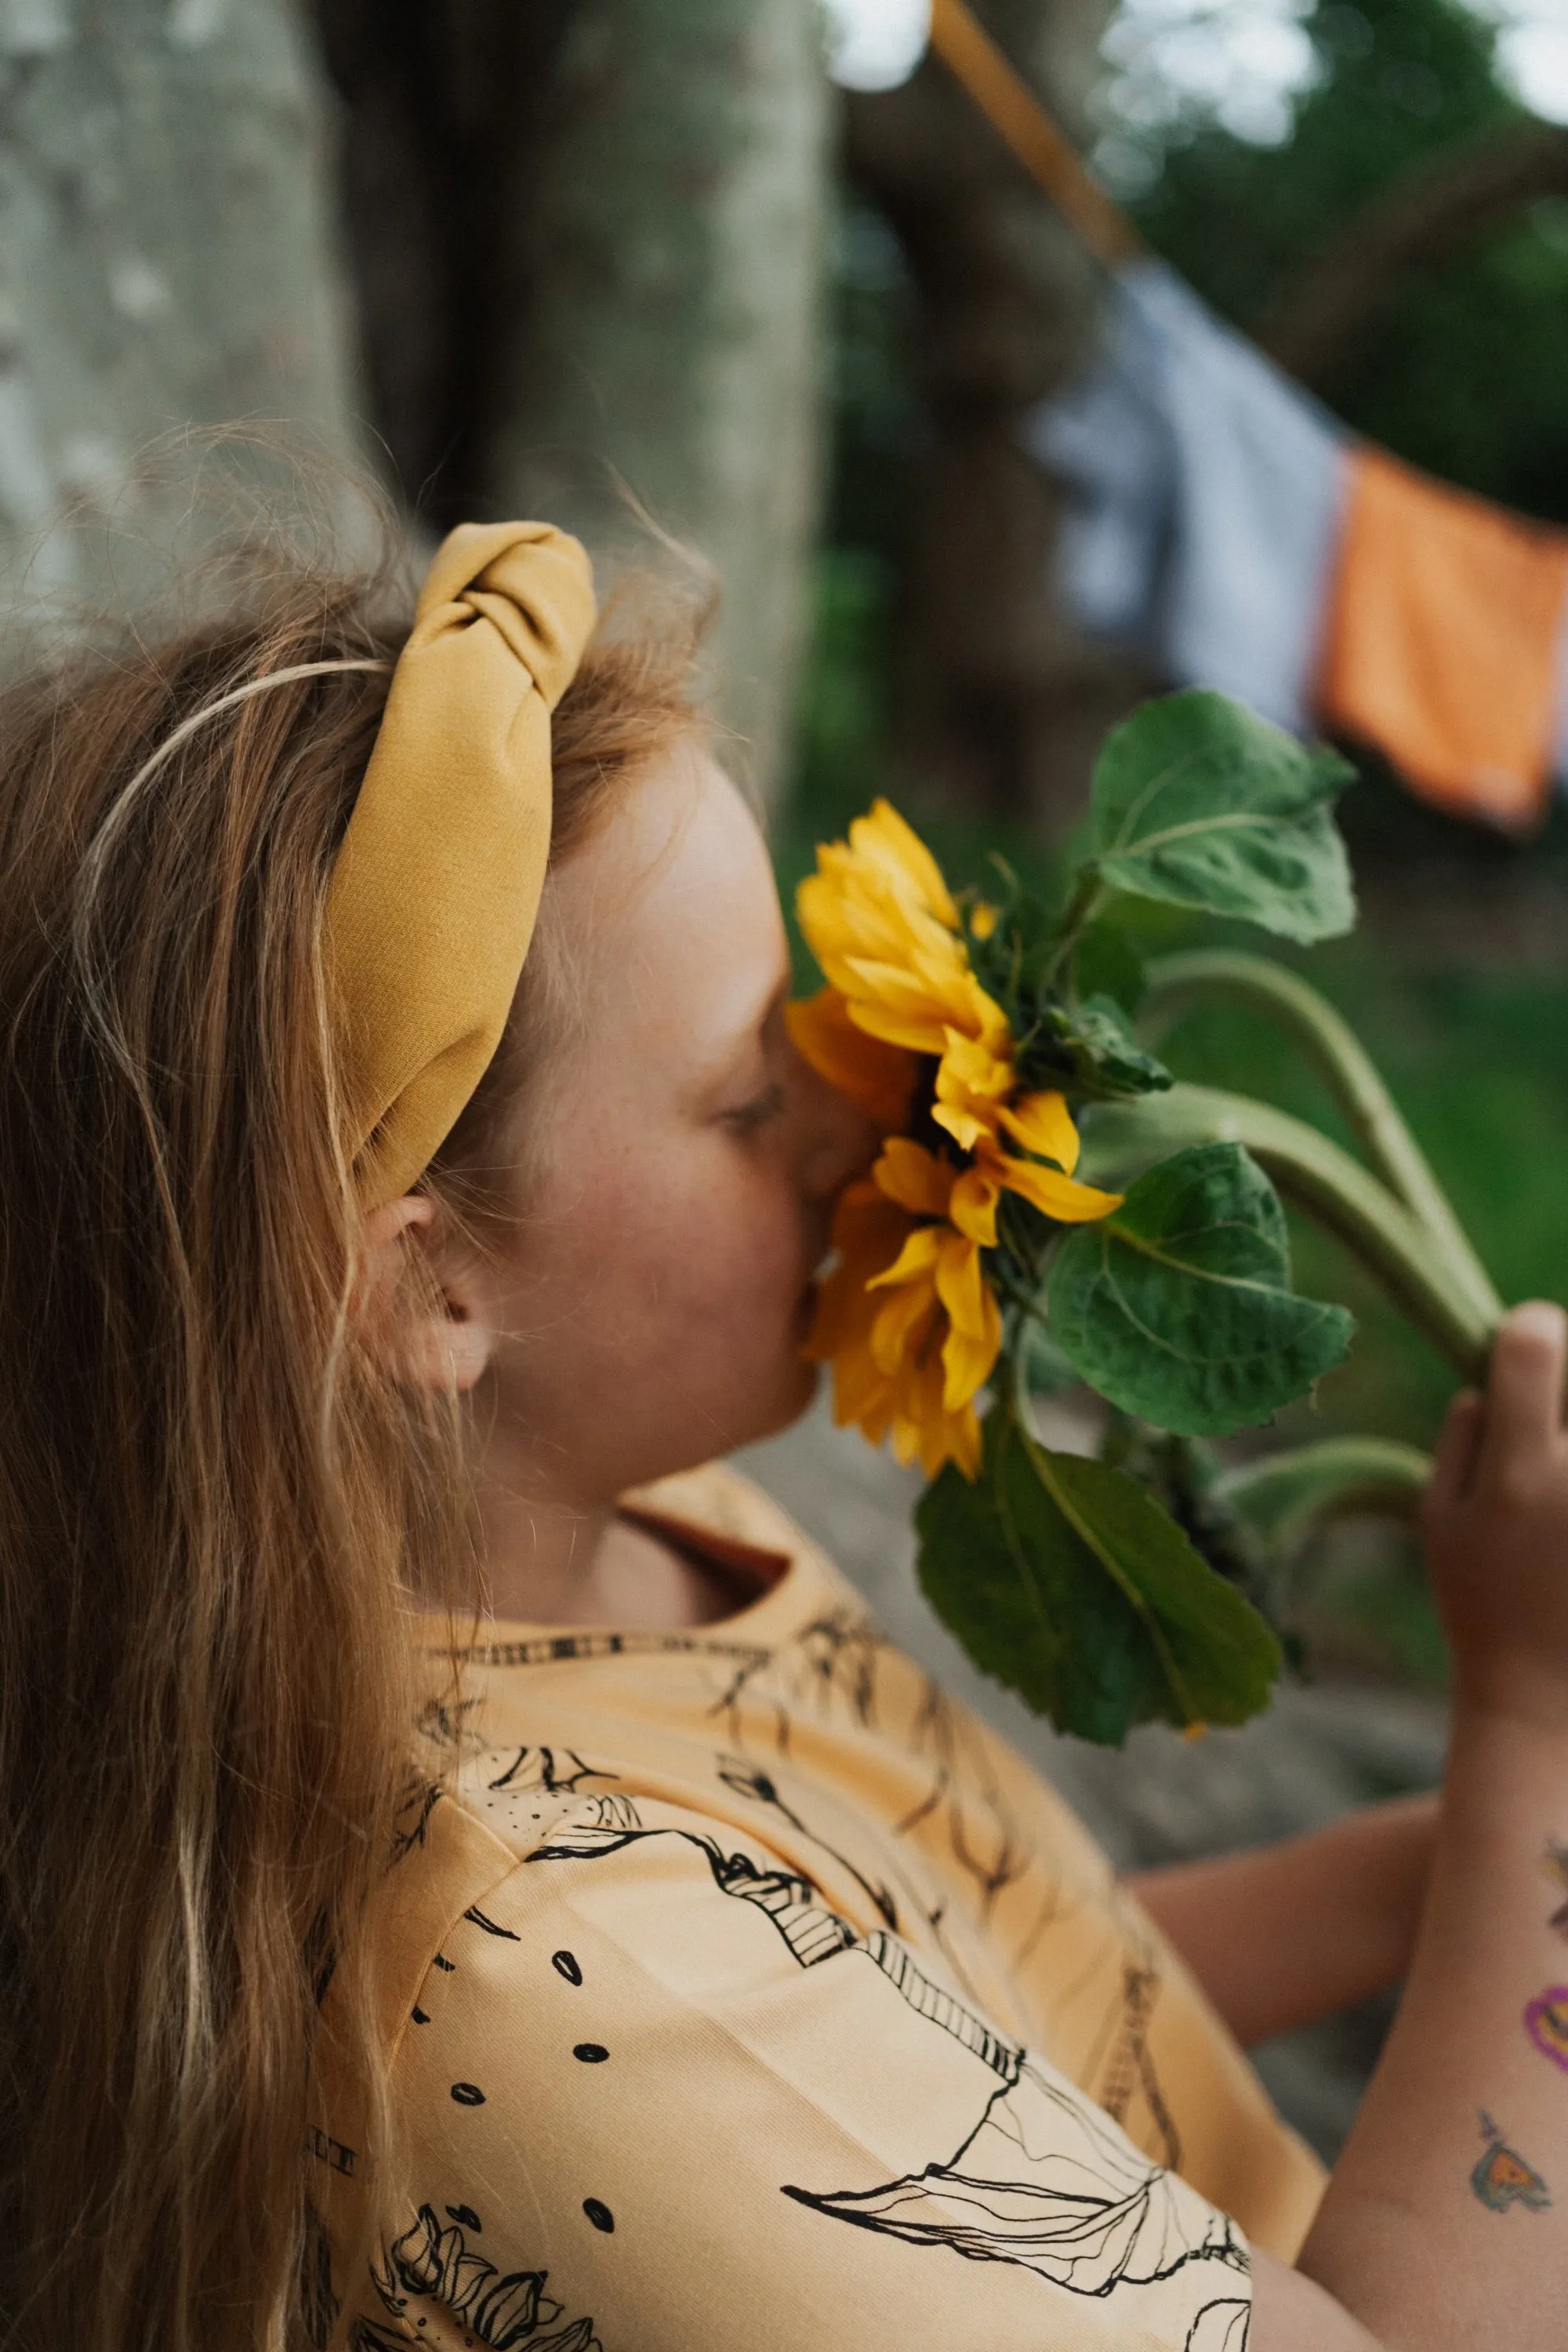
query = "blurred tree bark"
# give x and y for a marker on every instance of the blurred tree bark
(1002, 701)
(589, 244)
(444, 106)
(165, 261)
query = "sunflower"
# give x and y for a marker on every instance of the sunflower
(906, 1317)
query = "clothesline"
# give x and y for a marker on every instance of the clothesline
(1016, 115)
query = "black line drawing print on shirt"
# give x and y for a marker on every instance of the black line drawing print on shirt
(559, 1771)
(413, 1820)
(1045, 2181)
(1048, 2182)
(478, 1918)
(507, 2313)
(841, 1660)
(1221, 2327)
(560, 1649)
(747, 1779)
(837, 1658)
(811, 1932)
(940, 2008)
(1130, 2069)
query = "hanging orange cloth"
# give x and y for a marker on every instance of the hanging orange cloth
(1445, 639)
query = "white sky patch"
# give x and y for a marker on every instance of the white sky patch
(1242, 63)
(875, 44)
(1248, 64)
(1532, 52)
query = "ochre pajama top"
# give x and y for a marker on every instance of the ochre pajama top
(745, 1994)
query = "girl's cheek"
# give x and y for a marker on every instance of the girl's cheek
(750, 1232)
(708, 1222)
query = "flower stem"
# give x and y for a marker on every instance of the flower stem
(1089, 892)
(1283, 1493)
(1322, 1180)
(1176, 981)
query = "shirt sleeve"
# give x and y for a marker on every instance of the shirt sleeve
(654, 2097)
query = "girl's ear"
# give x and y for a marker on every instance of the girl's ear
(442, 1339)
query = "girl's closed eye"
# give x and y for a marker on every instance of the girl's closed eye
(757, 1111)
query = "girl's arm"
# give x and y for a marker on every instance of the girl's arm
(1297, 1930)
(1445, 2223)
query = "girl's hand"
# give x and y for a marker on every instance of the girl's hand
(1496, 1523)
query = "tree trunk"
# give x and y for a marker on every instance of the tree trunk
(1003, 701)
(166, 264)
(445, 104)
(672, 273)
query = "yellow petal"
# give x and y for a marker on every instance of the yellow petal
(960, 1283)
(914, 1177)
(935, 961)
(1043, 1124)
(974, 1341)
(924, 1430)
(1070, 1203)
(965, 1442)
(901, 1012)
(972, 1206)
(847, 909)
(901, 1324)
(919, 1423)
(904, 1437)
(878, 1077)
(862, 1401)
(885, 837)
(967, 1365)
(917, 1257)
(973, 1067)
(842, 921)
(965, 1128)
(982, 919)
(869, 1232)
(972, 1076)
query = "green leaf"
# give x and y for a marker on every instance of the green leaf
(1105, 963)
(1185, 1476)
(1066, 1581)
(1178, 1307)
(1087, 1050)
(1200, 804)
(1044, 1367)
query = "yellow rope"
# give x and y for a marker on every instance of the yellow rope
(1015, 114)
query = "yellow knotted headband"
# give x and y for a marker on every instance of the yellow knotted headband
(432, 899)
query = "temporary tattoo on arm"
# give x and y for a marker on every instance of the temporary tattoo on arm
(1546, 2022)
(1501, 2178)
(1554, 1862)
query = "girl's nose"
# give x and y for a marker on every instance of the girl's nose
(840, 1139)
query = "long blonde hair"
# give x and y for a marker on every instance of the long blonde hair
(213, 1502)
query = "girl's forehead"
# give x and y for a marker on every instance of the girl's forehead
(674, 906)
(684, 860)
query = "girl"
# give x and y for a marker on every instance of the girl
(473, 1876)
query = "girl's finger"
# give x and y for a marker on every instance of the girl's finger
(1454, 1457)
(1524, 1387)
